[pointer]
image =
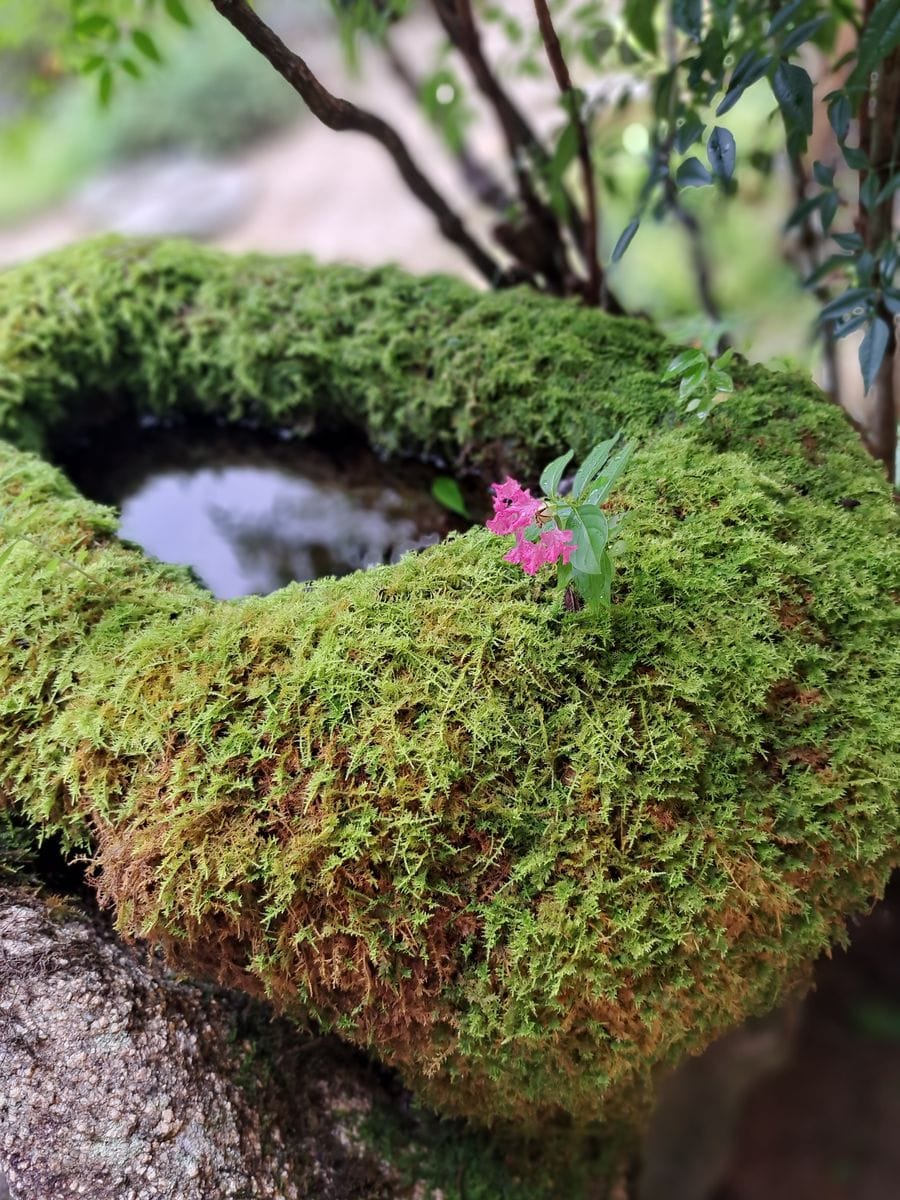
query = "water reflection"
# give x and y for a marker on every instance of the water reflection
(250, 513)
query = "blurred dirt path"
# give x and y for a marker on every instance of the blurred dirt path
(335, 196)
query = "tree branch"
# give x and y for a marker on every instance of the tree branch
(699, 260)
(564, 82)
(809, 246)
(879, 138)
(341, 115)
(485, 186)
(543, 239)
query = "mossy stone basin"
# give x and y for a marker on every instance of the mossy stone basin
(526, 856)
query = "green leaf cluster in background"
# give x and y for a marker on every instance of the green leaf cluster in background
(701, 382)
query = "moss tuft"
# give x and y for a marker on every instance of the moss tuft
(530, 859)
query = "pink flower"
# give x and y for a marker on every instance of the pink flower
(514, 507)
(552, 545)
(557, 543)
(528, 555)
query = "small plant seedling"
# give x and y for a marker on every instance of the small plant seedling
(704, 384)
(571, 529)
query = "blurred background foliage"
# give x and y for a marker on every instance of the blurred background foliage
(209, 93)
(732, 145)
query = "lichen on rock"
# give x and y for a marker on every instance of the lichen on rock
(528, 858)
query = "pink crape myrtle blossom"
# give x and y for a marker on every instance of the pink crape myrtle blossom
(514, 510)
(553, 544)
(514, 507)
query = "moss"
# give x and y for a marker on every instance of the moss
(529, 858)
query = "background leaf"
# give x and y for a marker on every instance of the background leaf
(447, 492)
(721, 152)
(625, 239)
(872, 350)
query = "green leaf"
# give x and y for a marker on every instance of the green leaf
(639, 17)
(855, 158)
(95, 25)
(721, 380)
(828, 211)
(804, 209)
(686, 360)
(447, 492)
(839, 114)
(824, 175)
(803, 33)
(564, 152)
(848, 241)
(591, 531)
(752, 66)
(7, 550)
(692, 381)
(879, 38)
(692, 173)
(595, 587)
(146, 45)
(131, 67)
(868, 190)
(834, 262)
(105, 86)
(625, 239)
(784, 16)
(845, 304)
(178, 12)
(872, 350)
(592, 465)
(889, 188)
(688, 17)
(688, 132)
(793, 91)
(721, 152)
(611, 475)
(552, 473)
(850, 324)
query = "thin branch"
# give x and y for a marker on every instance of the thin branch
(341, 115)
(564, 82)
(515, 124)
(484, 184)
(544, 237)
(701, 265)
(810, 244)
(879, 138)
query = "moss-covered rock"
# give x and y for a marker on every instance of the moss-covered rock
(526, 856)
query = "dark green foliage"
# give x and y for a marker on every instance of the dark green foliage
(527, 856)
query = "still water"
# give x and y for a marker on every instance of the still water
(249, 512)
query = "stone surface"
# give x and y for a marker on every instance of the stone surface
(122, 1083)
(171, 194)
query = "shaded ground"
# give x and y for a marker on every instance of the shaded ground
(826, 1125)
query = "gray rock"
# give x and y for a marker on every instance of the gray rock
(121, 1082)
(167, 195)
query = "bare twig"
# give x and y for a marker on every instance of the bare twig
(809, 258)
(544, 241)
(484, 184)
(701, 264)
(879, 138)
(341, 115)
(564, 82)
(515, 124)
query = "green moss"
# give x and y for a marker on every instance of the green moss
(527, 857)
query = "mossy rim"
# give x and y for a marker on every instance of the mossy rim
(528, 857)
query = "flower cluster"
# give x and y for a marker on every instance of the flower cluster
(515, 511)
